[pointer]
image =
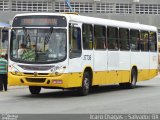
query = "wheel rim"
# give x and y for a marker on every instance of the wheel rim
(86, 83)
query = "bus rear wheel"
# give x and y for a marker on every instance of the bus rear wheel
(86, 84)
(132, 83)
(34, 89)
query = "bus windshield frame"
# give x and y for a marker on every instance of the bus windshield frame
(34, 40)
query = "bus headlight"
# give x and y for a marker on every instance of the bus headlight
(14, 70)
(58, 70)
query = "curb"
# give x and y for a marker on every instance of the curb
(17, 87)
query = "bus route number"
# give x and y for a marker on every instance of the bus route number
(87, 57)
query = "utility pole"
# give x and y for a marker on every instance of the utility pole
(69, 5)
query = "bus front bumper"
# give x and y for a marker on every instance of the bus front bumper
(69, 80)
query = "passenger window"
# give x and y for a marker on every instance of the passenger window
(74, 41)
(152, 41)
(99, 37)
(134, 40)
(144, 41)
(87, 36)
(112, 37)
(124, 39)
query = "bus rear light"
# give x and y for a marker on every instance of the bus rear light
(57, 82)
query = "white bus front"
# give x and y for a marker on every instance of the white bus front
(38, 53)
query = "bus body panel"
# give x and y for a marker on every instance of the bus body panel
(124, 65)
(87, 59)
(63, 81)
(100, 65)
(113, 66)
(153, 64)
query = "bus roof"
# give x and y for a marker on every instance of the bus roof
(2, 24)
(98, 21)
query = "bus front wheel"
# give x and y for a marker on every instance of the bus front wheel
(34, 89)
(86, 83)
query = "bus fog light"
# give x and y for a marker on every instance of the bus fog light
(22, 81)
(48, 81)
(57, 82)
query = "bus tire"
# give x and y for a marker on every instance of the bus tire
(34, 89)
(132, 83)
(86, 84)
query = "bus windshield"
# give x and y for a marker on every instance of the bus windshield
(31, 45)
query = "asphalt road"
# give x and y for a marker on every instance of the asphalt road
(145, 98)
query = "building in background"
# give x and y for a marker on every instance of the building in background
(139, 11)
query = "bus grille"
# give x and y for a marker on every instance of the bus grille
(40, 68)
(37, 80)
(37, 73)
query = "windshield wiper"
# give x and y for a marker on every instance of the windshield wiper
(27, 36)
(48, 36)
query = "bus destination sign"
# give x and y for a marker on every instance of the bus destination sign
(40, 21)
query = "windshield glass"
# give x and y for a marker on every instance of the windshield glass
(38, 45)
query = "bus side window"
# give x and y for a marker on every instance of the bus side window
(134, 40)
(152, 41)
(99, 37)
(87, 36)
(112, 38)
(144, 41)
(74, 41)
(124, 39)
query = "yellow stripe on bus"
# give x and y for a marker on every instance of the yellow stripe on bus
(75, 79)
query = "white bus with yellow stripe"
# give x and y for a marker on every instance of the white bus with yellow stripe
(73, 51)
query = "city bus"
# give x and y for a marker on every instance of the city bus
(68, 51)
